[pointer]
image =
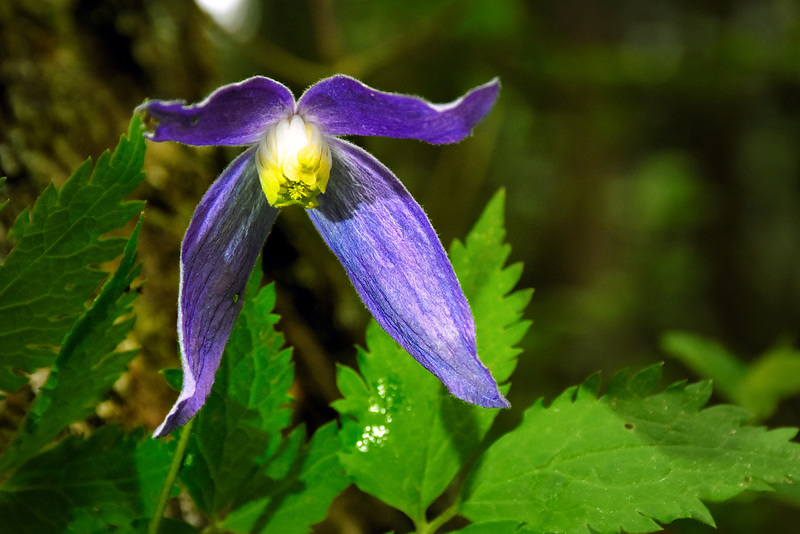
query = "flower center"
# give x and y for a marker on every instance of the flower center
(294, 163)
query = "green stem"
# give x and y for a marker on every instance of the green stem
(438, 521)
(169, 482)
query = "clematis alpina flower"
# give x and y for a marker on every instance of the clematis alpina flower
(368, 219)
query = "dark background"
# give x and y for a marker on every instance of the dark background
(650, 152)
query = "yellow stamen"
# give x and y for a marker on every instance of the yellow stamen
(294, 163)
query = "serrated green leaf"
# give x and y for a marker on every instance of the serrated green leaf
(238, 468)
(104, 483)
(480, 264)
(87, 365)
(238, 430)
(302, 482)
(405, 438)
(51, 272)
(625, 461)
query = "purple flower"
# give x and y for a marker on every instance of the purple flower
(379, 233)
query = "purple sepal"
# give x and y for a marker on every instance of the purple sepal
(344, 106)
(219, 250)
(235, 114)
(399, 268)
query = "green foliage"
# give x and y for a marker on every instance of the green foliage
(104, 483)
(239, 427)
(626, 459)
(239, 470)
(488, 283)
(109, 480)
(297, 487)
(51, 272)
(86, 367)
(405, 438)
(758, 386)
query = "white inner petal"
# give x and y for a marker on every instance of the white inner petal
(295, 139)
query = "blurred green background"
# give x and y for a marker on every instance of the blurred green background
(650, 152)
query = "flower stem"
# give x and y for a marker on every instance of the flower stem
(172, 474)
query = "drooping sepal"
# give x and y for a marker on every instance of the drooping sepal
(219, 250)
(399, 268)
